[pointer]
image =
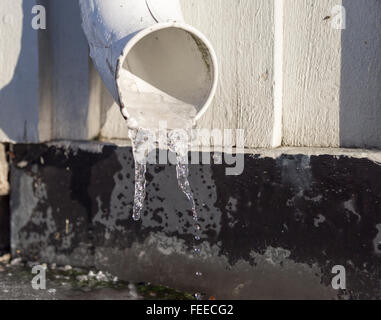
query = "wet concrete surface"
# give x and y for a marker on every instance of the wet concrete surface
(274, 232)
(68, 283)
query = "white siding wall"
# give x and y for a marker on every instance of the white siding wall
(332, 78)
(286, 74)
(69, 76)
(312, 69)
(18, 73)
(245, 95)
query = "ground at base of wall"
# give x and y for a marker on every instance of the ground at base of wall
(70, 283)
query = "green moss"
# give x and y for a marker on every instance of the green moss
(70, 277)
(155, 292)
(147, 291)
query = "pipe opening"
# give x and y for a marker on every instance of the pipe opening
(165, 71)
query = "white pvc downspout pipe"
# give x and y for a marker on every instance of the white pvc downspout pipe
(151, 39)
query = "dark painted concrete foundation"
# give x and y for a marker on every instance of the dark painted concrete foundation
(274, 232)
(4, 225)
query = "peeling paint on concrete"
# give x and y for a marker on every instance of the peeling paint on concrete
(350, 206)
(24, 202)
(276, 256)
(377, 241)
(319, 220)
(75, 146)
(373, 155)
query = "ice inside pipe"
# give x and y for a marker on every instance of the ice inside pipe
(148, 106)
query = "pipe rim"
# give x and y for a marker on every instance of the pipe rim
(183, 26)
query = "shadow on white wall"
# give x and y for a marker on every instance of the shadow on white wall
(360, 91)
(19, 97)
